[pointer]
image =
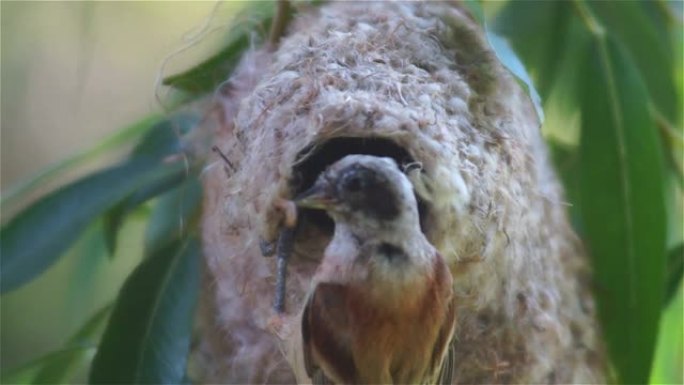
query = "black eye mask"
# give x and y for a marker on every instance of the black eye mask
(367, 191)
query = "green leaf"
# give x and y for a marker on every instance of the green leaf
(507, 57)
(630, 24)
(111, 223)
(61, 367)
(622, 192)
(539, 31)
(147, 339)
(174, 214)
(26, 373)
(206, 76)
(668, 366)
(162, 141)
(120, 138)
(116, 216)
(511, 61)
(675, 269)
(35, 238)
(166, 137)
(55, 367)
(89, 254)
(475, 9)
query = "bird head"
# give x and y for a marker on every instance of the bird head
(366, 192)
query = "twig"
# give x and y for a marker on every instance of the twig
(284, 250)
(280, 22)
(285, 245)
(224, 157)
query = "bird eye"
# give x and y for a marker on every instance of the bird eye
(354, 184)
(356, 180)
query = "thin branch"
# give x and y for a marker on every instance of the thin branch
(280, 22)
(224, 157)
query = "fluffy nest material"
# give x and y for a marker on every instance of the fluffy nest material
(416, 82)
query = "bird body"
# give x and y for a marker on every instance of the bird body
(380, 309)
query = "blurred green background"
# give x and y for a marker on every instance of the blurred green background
(75, 72)
(72, 74)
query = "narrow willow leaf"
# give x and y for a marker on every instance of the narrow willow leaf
(163, 140)
(166, 137)
(111, 223)
(539, 32)
(55, 367)
(27, 373)
(622, 196)
(648, 48)
(511, 61)
(115, 217)
(120, 138)
(61, 367)
(174, 214)
(35, 238)
(507, 57)
(669, 361)
(475, 9)
(147, 339)
(675, 271)
(206, 76)
(89, 255)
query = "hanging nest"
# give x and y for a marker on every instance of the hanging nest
(416, 82)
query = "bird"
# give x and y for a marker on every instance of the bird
(381, 309)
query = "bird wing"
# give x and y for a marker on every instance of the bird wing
(443, 355)
(326, 334)
(446, 372)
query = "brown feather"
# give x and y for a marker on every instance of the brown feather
(439, 362)
(326, 333)
(355, 339)
(382, 310)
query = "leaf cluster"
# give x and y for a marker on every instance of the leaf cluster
(620, 78)
(616, 64)
(148, 329)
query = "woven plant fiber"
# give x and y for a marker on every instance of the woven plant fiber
(419, 83)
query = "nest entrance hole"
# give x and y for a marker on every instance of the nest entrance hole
(315, 158)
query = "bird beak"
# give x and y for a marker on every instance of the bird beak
(316, 197)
